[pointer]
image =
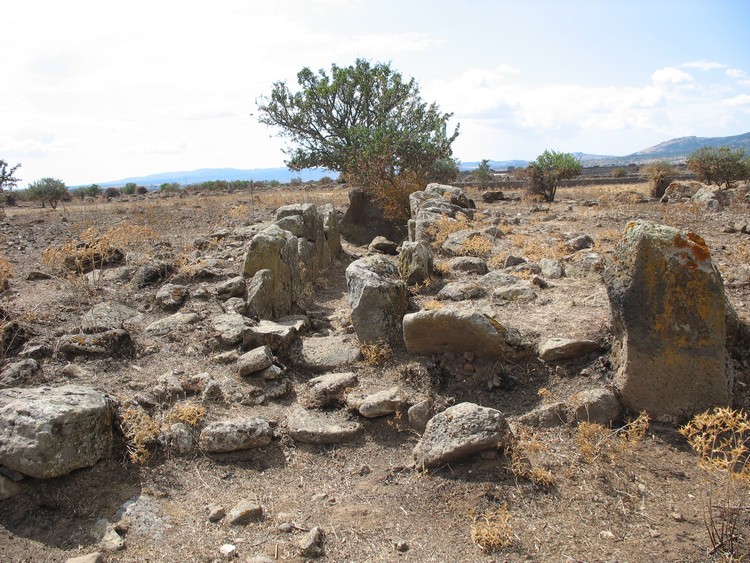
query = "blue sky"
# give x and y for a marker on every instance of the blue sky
(96, 91)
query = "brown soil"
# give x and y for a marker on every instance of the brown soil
(646, 504)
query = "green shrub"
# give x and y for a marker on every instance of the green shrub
(48, 190)
(548, 170)
(720, 165)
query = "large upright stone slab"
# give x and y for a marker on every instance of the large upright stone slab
(669, 323)
(276, 249)
(378, 298)
(48, 432)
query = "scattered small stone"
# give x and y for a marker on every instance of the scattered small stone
(243, 513)
(606, 535)
(228, 551)
(285, 527)
(95, 557)
(677, 517)
(216, 512)
(311, 544)
(318, 497)
(402, 546)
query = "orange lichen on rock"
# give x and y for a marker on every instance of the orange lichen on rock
(699, 248)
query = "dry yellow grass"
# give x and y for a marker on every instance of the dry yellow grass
(186, 413)
(492, 530)
(597, 442)
(140, 431)
(375, 354)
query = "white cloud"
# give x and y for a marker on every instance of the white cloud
(704, 65)
(671, 75)
(736, 73)
(741, 100)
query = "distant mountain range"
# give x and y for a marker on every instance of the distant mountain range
(675, 150)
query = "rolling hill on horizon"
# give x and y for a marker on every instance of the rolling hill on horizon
(673, 150)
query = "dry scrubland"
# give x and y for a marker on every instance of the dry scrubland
(633, 492)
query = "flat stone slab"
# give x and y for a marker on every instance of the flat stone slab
(313, 427)
(327, 353)
(555, 349)
(435, 332)
(233, 435)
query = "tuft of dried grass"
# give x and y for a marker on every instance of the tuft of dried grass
(376, 354)
(491, 530)
(186, 413)
(6, 272)
(596, 441)
(140, 431)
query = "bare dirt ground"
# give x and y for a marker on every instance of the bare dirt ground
(645, 504)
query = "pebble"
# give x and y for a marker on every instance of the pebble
(216, 512)
(228, 551)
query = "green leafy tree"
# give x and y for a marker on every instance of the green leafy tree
(719, 165)
(48, 190)
(7, 180)
(129, 188)
(483, 173)
(660, 174)
(364, 121)
(548, 170)
(444, 171)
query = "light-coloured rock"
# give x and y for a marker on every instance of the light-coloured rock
(311, 544)
(460, 431)
(313, 427)
(232, 329)
(378, 299)
(178, 439)
(95, 557)
(556, 349)
(254, 361)
(19, 373)
(108, 344)
(171, 296)
(173, 323)
(109, 315)
(420, 414)
(415, 262)
(277, 335)
(669, 323)
(599, 405)
(551, 268)
(9, 488)
(382, 403)
(326, 390)
(546, 416)
(518, 293)
(468, 264)
(383, 246)
(244, 512)
(460, 291)
(48, 432)
(327, 353)
(580, 242)
(260, 294)
(233, 287)
(238, 434)
(466, 242)
(435, 332)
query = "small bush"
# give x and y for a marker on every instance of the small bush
(721, 438)
(186, 413)
(660, 174)
(597, 442)
(140, 431)
(112, 192)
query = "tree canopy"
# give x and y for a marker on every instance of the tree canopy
(548, 170)
(48, 190)
(7, 180)
(365, 121)
(719, 165)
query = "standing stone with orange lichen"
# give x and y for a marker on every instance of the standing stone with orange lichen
(669, 323)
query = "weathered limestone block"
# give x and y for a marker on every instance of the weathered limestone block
(378, 299)
(48, 432)
(669, 323)
(460, 431)
(435, 332)
(276, 250)
(415, 262)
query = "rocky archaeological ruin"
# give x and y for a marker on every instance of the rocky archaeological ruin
(274, 346)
